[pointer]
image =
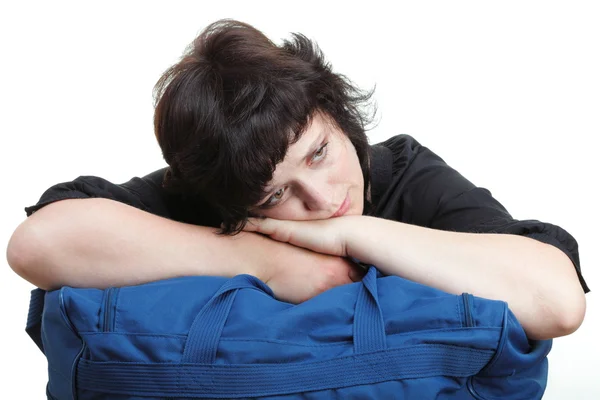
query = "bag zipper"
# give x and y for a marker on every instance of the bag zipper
(109, 300)
(467, 307)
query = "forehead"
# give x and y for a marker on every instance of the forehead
(318, 127)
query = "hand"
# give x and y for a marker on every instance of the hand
(296, 274)
(317, 273)
(327, 236)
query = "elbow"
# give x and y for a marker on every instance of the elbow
(563, 306)
(571, 314)
(560, 316)
(16, 251)
(561, 300)
(567, 296)
(21, 255)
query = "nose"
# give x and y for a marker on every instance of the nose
(316, 197)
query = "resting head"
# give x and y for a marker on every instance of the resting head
(257, 129)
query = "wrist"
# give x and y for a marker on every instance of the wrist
(359, 236)
(351, 232)
(254, 255)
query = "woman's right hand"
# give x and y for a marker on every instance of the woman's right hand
(296, 274)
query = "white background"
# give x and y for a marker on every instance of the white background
(506, 92)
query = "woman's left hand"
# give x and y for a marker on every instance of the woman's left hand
(327, 236)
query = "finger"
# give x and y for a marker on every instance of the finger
(256, 225)
(292, 232)
(250, 225)
(266, 226)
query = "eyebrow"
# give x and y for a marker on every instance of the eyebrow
(314, 146)
(311, 150)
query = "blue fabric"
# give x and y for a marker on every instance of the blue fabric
(212, 337)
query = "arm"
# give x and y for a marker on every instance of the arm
(92, 233)
(100, 243)
(537, 280)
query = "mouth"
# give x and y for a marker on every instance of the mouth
(343, 208)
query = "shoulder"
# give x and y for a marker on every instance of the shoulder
(417, 181)
(143, 192)
(400, 143)
(403, 151)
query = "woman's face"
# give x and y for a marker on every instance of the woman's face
(319, 178)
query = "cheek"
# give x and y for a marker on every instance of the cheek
(355, 176)
(291, 210)
(345, 167)
(350, 166)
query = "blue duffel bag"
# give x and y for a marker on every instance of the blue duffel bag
(220, 338)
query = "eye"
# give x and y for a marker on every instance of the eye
(278, 194)
(274, 199)
(320, 153)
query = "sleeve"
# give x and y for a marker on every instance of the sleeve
(430, 193)
(143, 193)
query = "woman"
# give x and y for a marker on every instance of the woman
(253, 130)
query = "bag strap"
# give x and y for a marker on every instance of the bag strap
(173, 380)
(368, 327)
(204, 335)
(205, 332)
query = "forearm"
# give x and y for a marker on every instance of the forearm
(537, 280)
(101, 243)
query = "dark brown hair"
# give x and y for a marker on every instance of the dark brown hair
(227, 112)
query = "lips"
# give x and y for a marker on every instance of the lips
(343, 208)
